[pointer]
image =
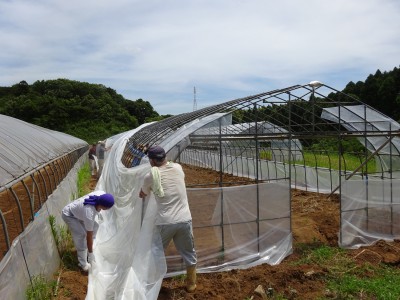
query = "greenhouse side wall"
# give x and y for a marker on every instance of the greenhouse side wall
(34, 251)
(235, 227)
(370, 211)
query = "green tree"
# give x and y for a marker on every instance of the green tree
(88, 111)
(141, 109)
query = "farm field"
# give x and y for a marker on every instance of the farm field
(315, 223)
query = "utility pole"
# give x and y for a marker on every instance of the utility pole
(194, 99)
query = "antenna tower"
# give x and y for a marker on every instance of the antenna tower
(194, 99)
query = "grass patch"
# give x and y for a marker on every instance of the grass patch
(382, 283)
(331, 160)
(84, 176)
(40, 288)
(179, 278)
(65, 244)
(333, 259)
(348, 280)
(266, 154)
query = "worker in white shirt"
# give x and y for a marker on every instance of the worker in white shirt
(80, 216)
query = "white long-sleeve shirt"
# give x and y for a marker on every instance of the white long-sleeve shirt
(84, 213)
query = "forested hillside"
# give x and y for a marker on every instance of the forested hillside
(93, 111)
(381, 91)
(88, 111)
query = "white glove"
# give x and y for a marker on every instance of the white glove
(91, 258)
(85, 268)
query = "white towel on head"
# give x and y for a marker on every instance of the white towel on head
(157, 187)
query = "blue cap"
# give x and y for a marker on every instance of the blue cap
(156, 152)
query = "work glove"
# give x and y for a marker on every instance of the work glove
(91, 258)
(85, 268)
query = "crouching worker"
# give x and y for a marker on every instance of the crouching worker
(174, 221)
(80, 216)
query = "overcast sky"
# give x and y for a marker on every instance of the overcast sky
(160, 50)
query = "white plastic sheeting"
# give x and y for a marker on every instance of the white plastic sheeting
(25, 147)
(127, 266)
(370, 211)
(363, 118)
(238, 229)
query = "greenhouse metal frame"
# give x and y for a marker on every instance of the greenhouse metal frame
(280, 136)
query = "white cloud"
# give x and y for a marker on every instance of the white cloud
(158, 50)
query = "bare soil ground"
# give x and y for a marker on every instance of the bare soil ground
(315, 219)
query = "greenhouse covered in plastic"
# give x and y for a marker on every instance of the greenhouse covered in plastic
(38, 171)
(308, 137)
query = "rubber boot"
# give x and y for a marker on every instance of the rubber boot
(82, 258)
(191, 279)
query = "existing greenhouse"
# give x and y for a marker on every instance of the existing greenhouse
(309, 137)
(38, 170)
